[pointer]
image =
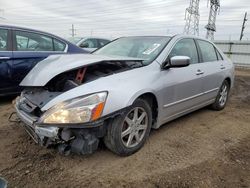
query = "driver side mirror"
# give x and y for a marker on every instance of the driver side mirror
(178, 61)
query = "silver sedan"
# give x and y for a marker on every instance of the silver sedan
(122, 91)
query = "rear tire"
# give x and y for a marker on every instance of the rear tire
(128, 132)
(222, 97)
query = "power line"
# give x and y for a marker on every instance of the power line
(104, 12)
(80, 17)
(112, 18)
(110, 7)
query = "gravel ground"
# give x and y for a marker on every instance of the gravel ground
(203, 149)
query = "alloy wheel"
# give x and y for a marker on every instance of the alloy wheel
(223, 95)
(134, 127)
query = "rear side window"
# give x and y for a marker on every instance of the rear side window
(3, 39)
(59, 46)
(207, 51)
(28, 41)
(185, 47)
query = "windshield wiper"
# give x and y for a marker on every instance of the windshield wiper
(135, 64)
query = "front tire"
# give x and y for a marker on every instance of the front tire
(222, 97)
(128, 132)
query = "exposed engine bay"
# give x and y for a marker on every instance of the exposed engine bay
(73, 78)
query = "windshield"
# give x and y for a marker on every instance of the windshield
(146, 48)
(74, 40)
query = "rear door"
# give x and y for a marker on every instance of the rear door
(5, 61)
(29, 49)
(212, 67)
(184, 88)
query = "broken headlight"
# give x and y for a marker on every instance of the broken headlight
(78, 110)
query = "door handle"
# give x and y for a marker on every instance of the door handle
(222, 67)
(4, 58)
(199, 72)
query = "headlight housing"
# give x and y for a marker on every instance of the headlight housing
(78, 110)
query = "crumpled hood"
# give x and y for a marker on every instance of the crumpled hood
(53, 65)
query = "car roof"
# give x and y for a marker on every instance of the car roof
(176, 37)
(29, 29)
(90, 37)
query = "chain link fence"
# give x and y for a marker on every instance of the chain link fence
(237, 51)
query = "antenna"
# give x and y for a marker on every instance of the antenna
(192, 17)
(211, 27)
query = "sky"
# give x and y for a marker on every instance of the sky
(115, 18)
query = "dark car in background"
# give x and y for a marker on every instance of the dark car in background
(21, 49)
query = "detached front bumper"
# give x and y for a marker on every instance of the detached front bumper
(36, 132)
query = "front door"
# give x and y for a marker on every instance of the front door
(184, 89)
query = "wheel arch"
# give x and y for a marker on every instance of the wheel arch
(151, 98)
(228, 79)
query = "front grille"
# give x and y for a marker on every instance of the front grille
(29, 108)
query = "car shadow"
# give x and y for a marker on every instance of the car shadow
(7, 99)
(184, 118)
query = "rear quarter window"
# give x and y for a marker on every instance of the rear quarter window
(219, 55)
(3, 39)
(59, 46)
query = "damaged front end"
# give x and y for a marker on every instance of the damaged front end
(71, 128)
(75, 124)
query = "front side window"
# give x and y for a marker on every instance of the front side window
(185, 47)
(89, 43)
(145, 48)
(28, 41)
(3, 39)
(59, 46)
(207, 51)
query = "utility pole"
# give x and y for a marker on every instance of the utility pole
(243, 26)
(73, 31)
(211, 27)
(192, 17)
